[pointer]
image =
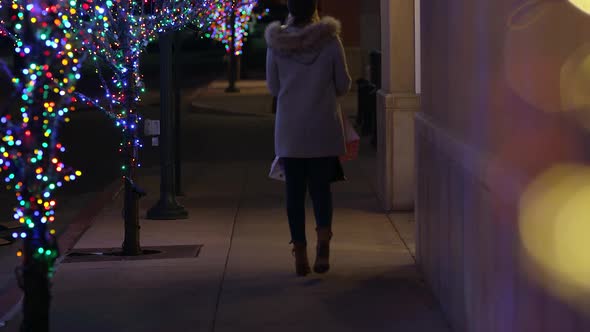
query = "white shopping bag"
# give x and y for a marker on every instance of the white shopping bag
(277, 170)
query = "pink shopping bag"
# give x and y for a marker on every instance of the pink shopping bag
(353, 142)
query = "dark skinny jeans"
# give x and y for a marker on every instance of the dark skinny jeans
(316, 174)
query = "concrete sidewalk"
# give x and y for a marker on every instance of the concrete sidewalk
(253, 99)
(243, 279)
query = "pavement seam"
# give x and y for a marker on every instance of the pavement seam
(421, 279)
(399, 234)
(231, 241)
(388, 215)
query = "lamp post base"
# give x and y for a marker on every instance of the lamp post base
(232, 89)
(167, 210)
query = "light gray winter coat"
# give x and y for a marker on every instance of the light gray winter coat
(307, 71)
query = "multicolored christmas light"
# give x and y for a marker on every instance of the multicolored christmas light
(30, 150)
(4, 21)
(218, 19)
(115, 33)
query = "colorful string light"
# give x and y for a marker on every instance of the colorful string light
(218, 18)
(30, 151)
(115, 33)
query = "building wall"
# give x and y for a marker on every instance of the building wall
(504, 98)
(370, 29)
(350, 16)
(370, 24)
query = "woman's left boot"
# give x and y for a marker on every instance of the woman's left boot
(322, 260)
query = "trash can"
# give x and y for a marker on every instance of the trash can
(366, 119)
(375, 72)
(367, 106)
(370, 126)
(363, 91)
(375, 67)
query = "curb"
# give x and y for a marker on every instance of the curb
(11, 296)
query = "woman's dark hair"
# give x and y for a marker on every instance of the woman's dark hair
(302, 11)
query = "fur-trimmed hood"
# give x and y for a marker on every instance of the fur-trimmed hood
(303, 44)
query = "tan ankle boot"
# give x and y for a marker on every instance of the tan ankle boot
(301, 262)
(322, 260)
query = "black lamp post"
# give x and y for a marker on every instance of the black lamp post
(177, 118)
(167, 208)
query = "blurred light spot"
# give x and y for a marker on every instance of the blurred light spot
(583, 5)
(575, 83)
(535, 53)
(555, 231)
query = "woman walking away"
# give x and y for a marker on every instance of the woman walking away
(307, 71)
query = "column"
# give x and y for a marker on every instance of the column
(398, 101)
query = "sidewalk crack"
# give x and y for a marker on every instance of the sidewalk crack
(231, 240)
(371, 185)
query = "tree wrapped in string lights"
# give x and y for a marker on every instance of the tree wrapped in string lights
(30, 150)
(227, 21)
(115, 33)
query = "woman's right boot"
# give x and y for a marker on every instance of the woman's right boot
(322, 262)
(301, 262)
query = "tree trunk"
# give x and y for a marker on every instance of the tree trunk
(233, 69)
(34, 277)
(131, 242)
(34, 281)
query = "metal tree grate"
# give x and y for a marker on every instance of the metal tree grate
(115, 254)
